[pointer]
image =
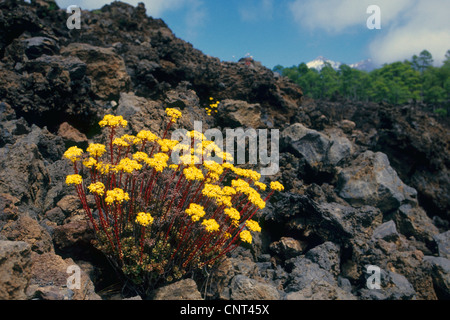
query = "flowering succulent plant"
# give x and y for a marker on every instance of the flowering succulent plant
(158, 220)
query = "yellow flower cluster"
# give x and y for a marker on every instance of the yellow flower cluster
(196, 135)
(260, 185)
(120, 142)
(253, 225)
(144, 219)
(97, 187)
(96, 149)
(215, 169)
(246, 173)
(212, 106)
(90, 162)
(74, 179)
(113, 121)
(158, 162)
(104, 168)
(275, 185)
(127, 165)
(246, 236)
(116, 195)
(195, 211)
(73, 153)
(174, 114)
(253, 195)
(146, 135)
(193, 173)
(222, 196)
(211, 225)
(167, 144)
(189, 159)
(232, 213)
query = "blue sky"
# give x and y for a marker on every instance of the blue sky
(289, 32)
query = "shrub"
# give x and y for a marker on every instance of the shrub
(157, 220)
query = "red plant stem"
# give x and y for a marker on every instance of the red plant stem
(103, 222)
(229, 249)
(182, 239)
(149, 187)
(132, 200)
(116, 231)
(141, 254)
(82, 197)
(167, 129)
(203, 240)
(111, 136)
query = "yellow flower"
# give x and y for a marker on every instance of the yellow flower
(225, 156)
(260, 185)
(211, 225)
(113, 121)
(144, 219)
(246, 236)
(253, 225)
(193, 173)
(275, 185)
(195, 211)
(158, 162)
(73, 153)
(74, 179)
(196, 135)
(128, 165)
(212, 191)
(228, 191)
(103, 168)
(240, 185)
(181, 147)
(213, 167)
(174, 114)
(188, 159)
(256, 199)
(146, 135)
(232, 213)
(120, 142)
(140, 156)
(116, 195)
(247, 173)
(90, 162)
(228, 165)
(126, 140)
(97, 187)
(253, 196)
(96, 149)
(167, 144)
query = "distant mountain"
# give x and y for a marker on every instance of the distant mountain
(364, 65)
(319, 63)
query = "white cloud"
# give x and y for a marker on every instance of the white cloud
(256, 10)
(195, 18)
(337, 16)
(427, 27)
(408, 26)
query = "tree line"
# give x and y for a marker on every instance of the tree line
(414, 80)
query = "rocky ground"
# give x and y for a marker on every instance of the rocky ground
(366, 184)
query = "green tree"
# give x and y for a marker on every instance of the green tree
(329, 81)
(423, 61)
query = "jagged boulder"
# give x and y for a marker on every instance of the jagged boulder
(370, 180)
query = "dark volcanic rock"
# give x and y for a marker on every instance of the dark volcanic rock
(362, 180)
